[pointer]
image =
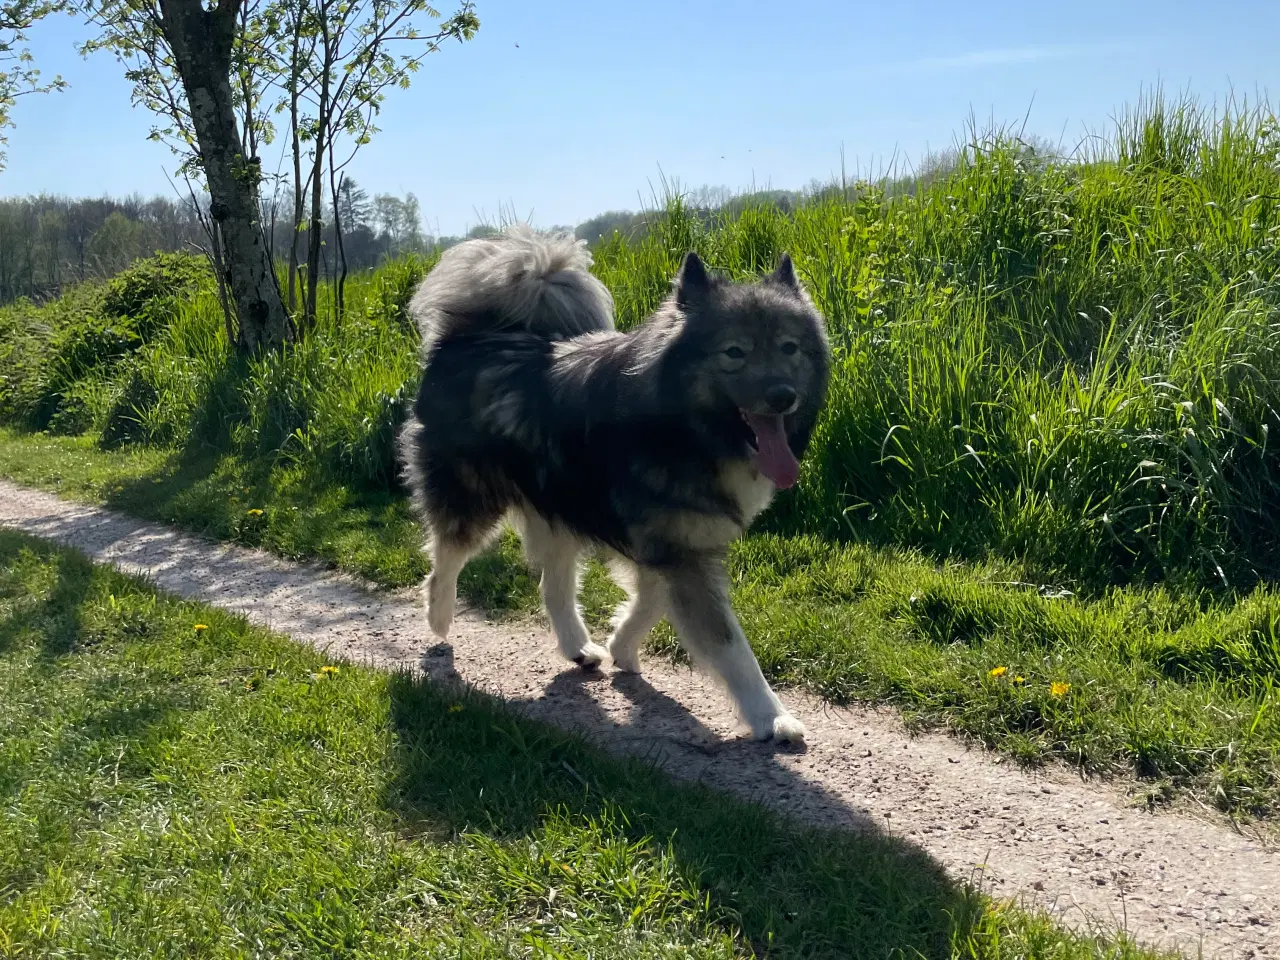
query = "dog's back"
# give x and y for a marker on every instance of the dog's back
(491, 313)
(518, 281)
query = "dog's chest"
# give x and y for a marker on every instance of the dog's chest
(748, 488)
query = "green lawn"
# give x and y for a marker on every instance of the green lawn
(1175, 688)
(1042, 505)
(175, 783)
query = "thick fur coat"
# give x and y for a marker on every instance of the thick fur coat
(659, 445)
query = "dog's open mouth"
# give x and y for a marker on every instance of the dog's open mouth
(773, 454)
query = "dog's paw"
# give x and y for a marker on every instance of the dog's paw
(439, 610)
(626, 661)
(439, 620)
(787, 729)
(591, 656)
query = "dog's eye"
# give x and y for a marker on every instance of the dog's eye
(735, 353)
(789, 348)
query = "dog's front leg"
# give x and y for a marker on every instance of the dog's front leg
(710, 632)
(645, 606)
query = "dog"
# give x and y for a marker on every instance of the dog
(657, 447)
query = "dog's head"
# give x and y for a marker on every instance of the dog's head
(758, 361)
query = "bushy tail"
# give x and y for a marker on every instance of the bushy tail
(517, 280)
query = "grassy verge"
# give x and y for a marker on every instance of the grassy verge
(174, 783)
(1049, 373)
(1175, 688)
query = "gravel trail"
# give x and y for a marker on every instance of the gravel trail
(1171, 879)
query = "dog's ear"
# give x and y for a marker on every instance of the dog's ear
(693, 283)
(785, 274)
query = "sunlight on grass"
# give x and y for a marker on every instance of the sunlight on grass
(173, 791)
(1047, 448)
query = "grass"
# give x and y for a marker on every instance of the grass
(1177, 689)
(176, 783)
(1047, 448)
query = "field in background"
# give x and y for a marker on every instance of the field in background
(1040, 506)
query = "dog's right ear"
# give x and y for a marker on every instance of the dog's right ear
(785, 274)
(693, 283)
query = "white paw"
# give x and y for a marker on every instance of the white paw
(590, 656)
(440, 618)
(782, 728)
(625, 660)
(787, 729)
(439, 610)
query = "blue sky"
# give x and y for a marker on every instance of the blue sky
(562, 109)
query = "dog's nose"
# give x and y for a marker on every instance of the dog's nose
(781, 396)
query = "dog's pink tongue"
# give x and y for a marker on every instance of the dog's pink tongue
(774, 457)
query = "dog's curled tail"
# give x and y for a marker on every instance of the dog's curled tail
(517, 280)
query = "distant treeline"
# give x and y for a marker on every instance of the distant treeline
(49, 242)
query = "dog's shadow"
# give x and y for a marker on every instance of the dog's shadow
(663, 731)
(798, 870)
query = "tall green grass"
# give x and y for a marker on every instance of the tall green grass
(1063, 372)
(1073, 362)
(330, 403)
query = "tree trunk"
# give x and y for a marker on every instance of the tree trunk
(315, 228)
(340, 258)
(295, 70)
(297, 209)
(315, 231)
(201, 41)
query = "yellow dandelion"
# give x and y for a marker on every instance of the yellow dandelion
(328, 670)
(998, 672)
(255, 512)
(201, 627)
(1019, 679)
(455, 708)
(1058, 688)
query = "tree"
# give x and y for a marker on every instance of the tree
(195, 67)
(399, 222)
(354, 208)
(18, 73)
(336, 60)
(217, 71)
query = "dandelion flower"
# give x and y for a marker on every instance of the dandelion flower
(1019, 679)
(455, 708)
(998, 672)
(1058, 688)
(328, 670)
(255, 512)
(201, 627)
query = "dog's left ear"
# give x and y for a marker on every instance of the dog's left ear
(694, 282)
(785, 274)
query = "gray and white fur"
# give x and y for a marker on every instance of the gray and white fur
(658, 446)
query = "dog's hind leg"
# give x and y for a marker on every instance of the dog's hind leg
(454, 539)
(556, 555)
(711, 634)
(448, 556)
(633, 621)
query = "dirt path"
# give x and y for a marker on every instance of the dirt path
(1171, 880)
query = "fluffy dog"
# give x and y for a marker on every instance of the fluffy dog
(658, 446)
